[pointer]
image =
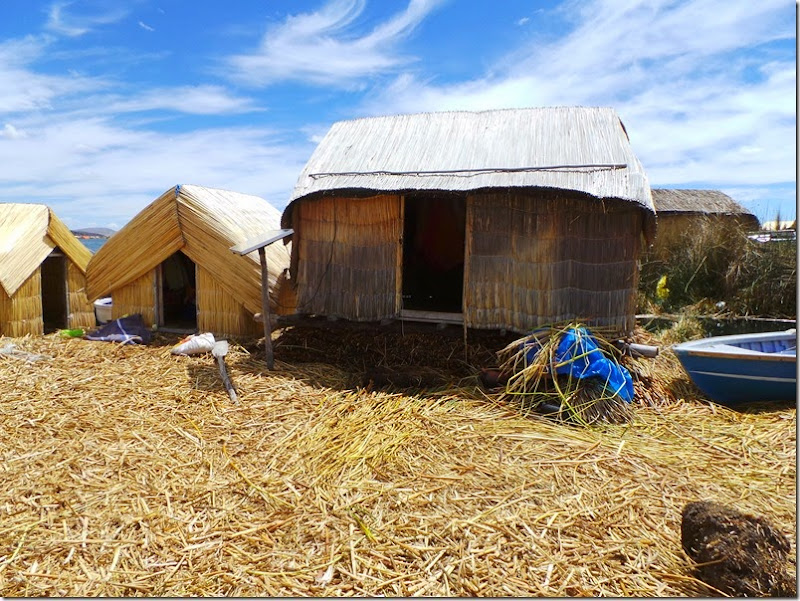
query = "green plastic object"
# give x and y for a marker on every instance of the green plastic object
(74, 333)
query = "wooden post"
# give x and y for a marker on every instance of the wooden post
(265, 308)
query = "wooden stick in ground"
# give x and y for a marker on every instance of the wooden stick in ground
(219, 351)
(265, 309)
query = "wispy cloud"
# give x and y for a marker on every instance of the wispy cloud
(701, 86)
(145, 26)
(78, 17)
(193, 100)
(115, 171)
(325, 48)
(23, 89)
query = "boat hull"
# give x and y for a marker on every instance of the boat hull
(731, 376)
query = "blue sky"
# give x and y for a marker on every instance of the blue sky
(104, 105)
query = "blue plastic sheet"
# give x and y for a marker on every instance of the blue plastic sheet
(578, 355)
(129, 329)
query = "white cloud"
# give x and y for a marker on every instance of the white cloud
(11, 132)
(688, 79)
(145, 26)
(323, 47)
(22, 89)
(523, 21)
(195, 100)
(103, 169)
(76, 18)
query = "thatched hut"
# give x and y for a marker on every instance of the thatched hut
(173, 264)
(502, 219)
(42, 273)
(685, 210)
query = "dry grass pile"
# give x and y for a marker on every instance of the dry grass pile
(128, 472)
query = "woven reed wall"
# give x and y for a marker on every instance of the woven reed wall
(136, 297)
(548, 256)
(348, 253)
(21, 314)
(219, 312)
(80, 310)
(285, 295)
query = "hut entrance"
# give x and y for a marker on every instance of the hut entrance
(54, 292)
(433, 253)
(177, 292)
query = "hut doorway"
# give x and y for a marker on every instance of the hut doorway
(54, 292)
(433, 253)
(177, 287)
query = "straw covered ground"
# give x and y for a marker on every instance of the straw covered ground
(127, 471)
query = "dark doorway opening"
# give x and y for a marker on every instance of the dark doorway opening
(54, 292)
(178, 293)
(433, 252)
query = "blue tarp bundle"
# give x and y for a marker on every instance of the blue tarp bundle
(578, 355)
(125, 330)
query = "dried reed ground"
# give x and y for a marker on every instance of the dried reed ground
(127, 472)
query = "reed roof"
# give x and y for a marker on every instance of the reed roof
(203, 223)
(708, 202)
(28, 234)
(574, 148)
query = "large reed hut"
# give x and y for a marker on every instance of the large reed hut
(681, 211)
(42, 273)
(503, 219)
(173, 264)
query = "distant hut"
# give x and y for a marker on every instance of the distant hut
(681, 211)
(42, 273)
(172, 262)
(502, 219)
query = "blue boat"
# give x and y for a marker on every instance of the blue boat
(745, 368)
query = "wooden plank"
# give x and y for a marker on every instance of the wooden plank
(262, 255)
(431, 316)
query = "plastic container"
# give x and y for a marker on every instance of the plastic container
(102, 310)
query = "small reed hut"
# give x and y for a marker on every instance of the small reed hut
(682, 211)
(502, 219)
(173, 264)
(42, 273)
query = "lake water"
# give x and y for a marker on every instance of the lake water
(93, 244)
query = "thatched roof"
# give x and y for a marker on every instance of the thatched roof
(28, 234)
(573, 148)
(709, 202)
(203, 223)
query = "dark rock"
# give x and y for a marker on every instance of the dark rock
(738, 554)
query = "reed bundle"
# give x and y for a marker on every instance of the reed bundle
(128, 472)
(535, 385)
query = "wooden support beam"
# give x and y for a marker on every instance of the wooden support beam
(262, 255)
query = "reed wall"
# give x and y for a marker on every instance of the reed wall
(348, 253)
(285, 294)
(80, 310)
(219, 312)
(548, 256)
(21, 314)
(136, 297)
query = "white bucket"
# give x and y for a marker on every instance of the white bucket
(102, 309)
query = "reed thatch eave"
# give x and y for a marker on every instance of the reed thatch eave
(649, 222)
(144, 242)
